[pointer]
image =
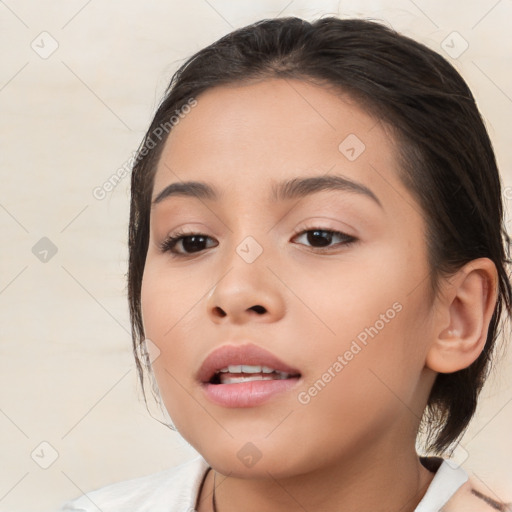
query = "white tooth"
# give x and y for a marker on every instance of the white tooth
(224, 370)
(282, 375)
(225, 379)
(246, 368)
(235, 368)
(266, 369)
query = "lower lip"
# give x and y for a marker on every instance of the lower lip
(247, 394)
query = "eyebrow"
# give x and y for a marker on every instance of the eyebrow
(285, 190)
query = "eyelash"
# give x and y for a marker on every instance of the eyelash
(170, 242)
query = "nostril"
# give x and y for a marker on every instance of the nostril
(259, 309)
(219, 311)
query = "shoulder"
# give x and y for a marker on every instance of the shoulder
(173, 489)
(474, 497)
(453, 490)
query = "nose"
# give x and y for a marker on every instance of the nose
(246, 291)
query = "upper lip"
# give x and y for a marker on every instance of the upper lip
(248, 354)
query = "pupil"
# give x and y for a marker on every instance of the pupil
(323, 240)
(191, 242)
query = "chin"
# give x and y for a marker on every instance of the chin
(249, 460)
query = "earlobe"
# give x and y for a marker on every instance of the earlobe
(468, 303)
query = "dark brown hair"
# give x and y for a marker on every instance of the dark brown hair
(446, 158)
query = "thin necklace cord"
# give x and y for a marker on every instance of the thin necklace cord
(214, 504)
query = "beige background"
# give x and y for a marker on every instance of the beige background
(70, 120)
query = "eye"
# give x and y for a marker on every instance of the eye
(190, 243)
(322, 238)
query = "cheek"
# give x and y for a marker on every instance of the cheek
(368, 380)
(385, 359)
(170, 322)
(153, 300)
(372, 313)
(168, 299)
(352, 296)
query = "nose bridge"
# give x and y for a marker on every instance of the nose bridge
(249, 240)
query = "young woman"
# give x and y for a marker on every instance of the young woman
(317, 273)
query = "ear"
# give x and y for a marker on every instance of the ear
(464, 310)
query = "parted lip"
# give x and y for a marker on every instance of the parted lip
(248, 354)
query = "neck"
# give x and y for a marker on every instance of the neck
(379, 482)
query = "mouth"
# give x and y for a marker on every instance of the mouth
(234, 374)
(245, 376)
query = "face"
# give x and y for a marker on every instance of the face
(326, 282)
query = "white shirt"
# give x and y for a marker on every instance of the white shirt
(176, 490)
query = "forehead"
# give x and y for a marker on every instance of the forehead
(248, 137)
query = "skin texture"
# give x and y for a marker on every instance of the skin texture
(352, 446)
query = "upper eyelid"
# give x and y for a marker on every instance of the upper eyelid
(179, 234)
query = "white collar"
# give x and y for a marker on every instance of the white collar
(447, 480)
